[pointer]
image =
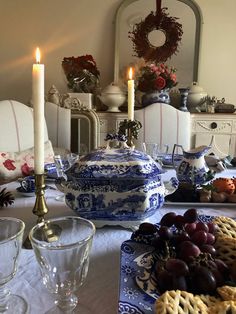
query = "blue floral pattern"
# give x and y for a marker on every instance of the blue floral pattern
(137, 292)
(115, 185)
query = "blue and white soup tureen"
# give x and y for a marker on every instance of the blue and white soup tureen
(115, 186)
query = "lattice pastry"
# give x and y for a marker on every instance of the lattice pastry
(224, 307)
(179, 302)
(208, 300)
(227, 293)
(226, 249)
(226, 227)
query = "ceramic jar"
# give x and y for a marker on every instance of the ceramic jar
(156, 97)
(196, 96)
(113, 97)
(119, 185)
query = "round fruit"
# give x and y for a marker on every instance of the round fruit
(177, 267)
(224, 185)
(191, 215)
(199, 237)
(147, 228)
(168, 219)
(188, 250)
(165, 233)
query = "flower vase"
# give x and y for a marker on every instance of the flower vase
(156, 97)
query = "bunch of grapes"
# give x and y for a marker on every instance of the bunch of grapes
(185, 254)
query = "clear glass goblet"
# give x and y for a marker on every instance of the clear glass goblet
(151, 149)
(62, 247)
(11, 235)
(62, 165)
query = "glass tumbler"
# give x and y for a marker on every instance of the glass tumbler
(151, 149)
(62, 247)
(11, 235)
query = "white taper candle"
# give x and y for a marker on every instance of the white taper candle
(130, 95)
(38, 105)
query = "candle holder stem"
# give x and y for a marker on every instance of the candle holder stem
(40, 207)
(130, 138)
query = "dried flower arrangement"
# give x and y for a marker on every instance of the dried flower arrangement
(82, 73)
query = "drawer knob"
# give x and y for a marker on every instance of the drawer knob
(214, 125)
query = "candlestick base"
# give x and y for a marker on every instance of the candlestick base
(130, 142)
(40, 210)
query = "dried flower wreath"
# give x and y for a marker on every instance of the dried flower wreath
(156, 21)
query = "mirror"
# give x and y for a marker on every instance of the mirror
(131, 12)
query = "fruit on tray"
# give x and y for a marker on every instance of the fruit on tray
(219, 190)
(224, 185)
(187, 253)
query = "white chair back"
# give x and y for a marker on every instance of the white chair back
(59, 125)
(163, 124)
(16, 126)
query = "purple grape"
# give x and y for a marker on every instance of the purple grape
(177, 267)
(188, 249)
(218, 277)
(210, 238)
(165, 233)
(199, 237)
(212, 227)
(183, 236)
(179, 222)
(190, 228)
(202, 226)
(191, 215)
(204, 280)
(207, 248)
(168, 219)
(147, 228)
(179, 283)
(164, 281)
(223, 268)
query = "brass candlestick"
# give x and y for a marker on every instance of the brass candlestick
(40, 207)
(40, 210)
(130, 138)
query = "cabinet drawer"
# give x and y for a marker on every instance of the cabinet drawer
(213, 126)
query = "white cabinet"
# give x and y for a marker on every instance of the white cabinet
(109, 123)
(219, 127)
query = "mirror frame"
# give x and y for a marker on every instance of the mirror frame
(199, 21)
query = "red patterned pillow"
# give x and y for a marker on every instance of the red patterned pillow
(20, 164)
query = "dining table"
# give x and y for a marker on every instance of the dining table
(100, 293)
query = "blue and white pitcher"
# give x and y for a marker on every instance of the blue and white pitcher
(193, 168)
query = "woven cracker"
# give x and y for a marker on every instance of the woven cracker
(226, 249)
(224, 307)
(226, 227)
(208, 300)
(227, 293)
(179, 302)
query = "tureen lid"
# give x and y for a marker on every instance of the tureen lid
(195, 89)
(116, 163)
(112, 89)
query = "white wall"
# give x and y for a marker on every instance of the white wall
(77, 27)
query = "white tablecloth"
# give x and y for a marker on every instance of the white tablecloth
(100, 291)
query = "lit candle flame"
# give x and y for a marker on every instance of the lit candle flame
(130, 73)
(37, 55)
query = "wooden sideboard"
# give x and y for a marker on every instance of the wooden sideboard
(109, 123)
(203, 127)
(220, 125)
